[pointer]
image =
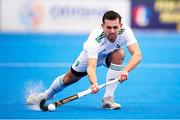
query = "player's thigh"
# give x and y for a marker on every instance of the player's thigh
(75, 73)
(71, 78)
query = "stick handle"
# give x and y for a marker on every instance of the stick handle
(109, 83)
(85, 92)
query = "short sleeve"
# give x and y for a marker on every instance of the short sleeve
(129, 36)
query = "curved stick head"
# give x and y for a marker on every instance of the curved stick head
(42, 105)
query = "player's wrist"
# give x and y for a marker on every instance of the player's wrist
(93, 82)
(126, 69)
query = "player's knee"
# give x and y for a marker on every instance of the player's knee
(122, 53)
(118, 56)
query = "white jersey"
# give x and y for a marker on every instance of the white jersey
(97, 46)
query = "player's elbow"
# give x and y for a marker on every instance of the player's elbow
(138, 56)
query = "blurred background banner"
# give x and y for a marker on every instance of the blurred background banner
(155, 14)
(62, 16)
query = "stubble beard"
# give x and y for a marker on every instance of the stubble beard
(112, 37)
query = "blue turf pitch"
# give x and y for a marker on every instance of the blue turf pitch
(29, 62)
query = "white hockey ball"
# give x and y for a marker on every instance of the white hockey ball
(51, 107)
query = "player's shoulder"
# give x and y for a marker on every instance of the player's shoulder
(97, 30)
(125, 30)
(98, 34)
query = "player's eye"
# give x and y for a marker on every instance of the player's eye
(108, 27)
(115, 27)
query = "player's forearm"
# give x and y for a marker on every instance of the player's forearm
(91, 71)
(134, 61)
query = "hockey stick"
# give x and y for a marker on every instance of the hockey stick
(44, 107)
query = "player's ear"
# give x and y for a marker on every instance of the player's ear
(102, 25)
(121, 25)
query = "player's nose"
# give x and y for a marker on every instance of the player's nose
(112, 30)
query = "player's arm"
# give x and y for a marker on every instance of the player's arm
(133, 62)
(91, 71)
(136, 57)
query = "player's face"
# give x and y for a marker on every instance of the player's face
(111, 29)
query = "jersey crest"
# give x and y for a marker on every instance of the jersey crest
(118, 46)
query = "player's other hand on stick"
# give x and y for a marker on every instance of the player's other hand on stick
(94, 88)
(123, 76)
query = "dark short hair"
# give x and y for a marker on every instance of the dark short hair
(111, 15)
